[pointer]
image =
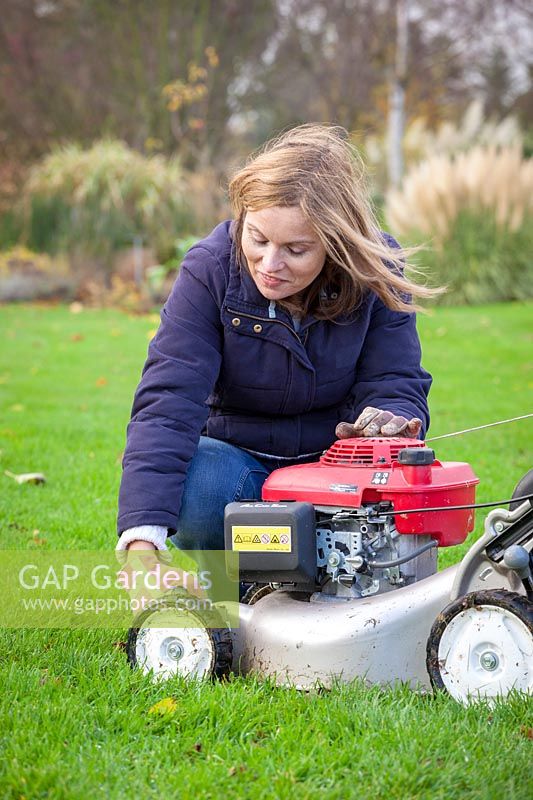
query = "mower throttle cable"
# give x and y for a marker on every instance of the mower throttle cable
(463, 508)
(478, 427)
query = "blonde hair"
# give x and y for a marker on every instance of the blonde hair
(316, 168)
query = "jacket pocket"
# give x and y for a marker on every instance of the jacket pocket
(254, 432)
(252, 399)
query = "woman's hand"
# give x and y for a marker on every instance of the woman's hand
(147, 576)
(134, 569)
(141, 544)
(375, 422)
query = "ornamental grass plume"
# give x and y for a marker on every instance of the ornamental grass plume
(484, 180)
(473, 129)
(422, 141)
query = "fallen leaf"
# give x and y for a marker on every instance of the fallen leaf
(76, 308)
(120, 645)
(27, 477)
(77, 337)
(527, 732)
(101, 381)
(234, 770)
(38, 539)
(17, 407)
(166, 706)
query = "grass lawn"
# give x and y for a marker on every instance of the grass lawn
(75, 718)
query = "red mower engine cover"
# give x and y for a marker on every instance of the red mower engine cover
(359, 472)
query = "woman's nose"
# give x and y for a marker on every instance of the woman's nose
(272, 259)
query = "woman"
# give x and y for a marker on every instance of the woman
(282, 328)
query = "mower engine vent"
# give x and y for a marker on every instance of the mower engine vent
(376, 452)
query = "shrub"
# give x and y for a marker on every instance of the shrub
(475, 209)
(10, 228)
(22, 259)
(12, 176)
(481, 262)
(25, 275)
(161, 276)
(98, 200)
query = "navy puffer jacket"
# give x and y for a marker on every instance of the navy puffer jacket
(221, 364)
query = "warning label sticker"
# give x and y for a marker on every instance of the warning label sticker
(261, 538)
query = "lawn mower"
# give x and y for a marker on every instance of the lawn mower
(341, 558)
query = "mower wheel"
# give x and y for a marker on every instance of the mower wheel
(255, 592)
(523, 487)
(481, 646)
(169, 639)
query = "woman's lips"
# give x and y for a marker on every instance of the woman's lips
(273, 282)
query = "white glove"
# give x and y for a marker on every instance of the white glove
(156, 534)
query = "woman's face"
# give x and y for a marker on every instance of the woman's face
(283, 252)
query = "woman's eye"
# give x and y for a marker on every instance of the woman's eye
(261, 242)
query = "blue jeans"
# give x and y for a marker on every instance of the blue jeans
(219, 473)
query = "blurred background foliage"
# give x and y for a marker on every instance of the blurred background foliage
(100, 198)
(120, 123)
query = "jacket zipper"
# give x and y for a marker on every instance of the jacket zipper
(279, 322)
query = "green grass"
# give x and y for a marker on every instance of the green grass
(74, 719)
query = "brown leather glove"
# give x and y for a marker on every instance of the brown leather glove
(375, 422)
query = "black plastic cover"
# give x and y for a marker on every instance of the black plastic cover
(275, 541)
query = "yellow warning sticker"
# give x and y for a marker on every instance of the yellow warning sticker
(261, 538)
